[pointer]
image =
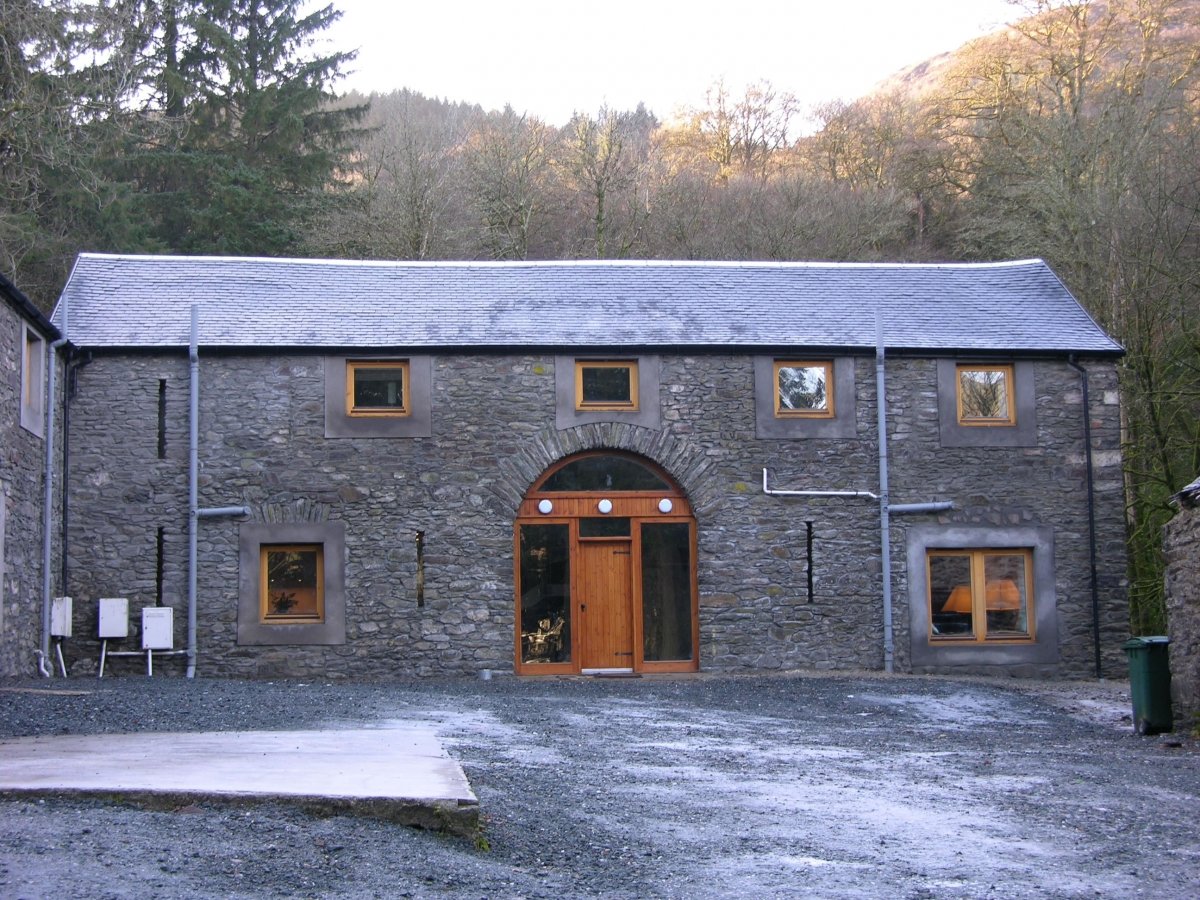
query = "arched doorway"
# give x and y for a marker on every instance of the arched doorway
(605, 570)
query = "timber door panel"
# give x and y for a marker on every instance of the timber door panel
(606, 603)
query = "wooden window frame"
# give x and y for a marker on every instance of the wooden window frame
(782, 412)
(283, 619)
(582, 405)
(978, 585)
(405, 410)
(1009, 374)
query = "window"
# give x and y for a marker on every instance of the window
(606, 384)
(985, 395)
(378, 397)
(377, 388)
(292, 583)
(545, 592)
(804, 389)
(979, 595)
(33, 381)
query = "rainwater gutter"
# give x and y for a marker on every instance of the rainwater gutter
(1091, 506)
(195, 513)
(43, 653)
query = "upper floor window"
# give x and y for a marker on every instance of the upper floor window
(804, 389)
(606, 384)
(979, 595)
(985, 395)
(33, 381)
(378, 388)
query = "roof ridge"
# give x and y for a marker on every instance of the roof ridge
(563, 263)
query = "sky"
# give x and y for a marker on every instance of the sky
(553, 57)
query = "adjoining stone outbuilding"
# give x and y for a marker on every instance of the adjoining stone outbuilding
(1182, 548)
(26, 337)
(334, 468)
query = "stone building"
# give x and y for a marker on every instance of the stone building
(387, 469)
(1182, 547)
(26, 337)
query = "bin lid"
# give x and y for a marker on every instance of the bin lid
(1146, 641)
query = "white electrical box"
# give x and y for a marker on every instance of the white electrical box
(157, 630)
(114, 617)
(60, 617)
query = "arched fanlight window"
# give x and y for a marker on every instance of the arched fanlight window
(604, 473)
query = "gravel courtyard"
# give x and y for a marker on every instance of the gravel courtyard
(786, 786)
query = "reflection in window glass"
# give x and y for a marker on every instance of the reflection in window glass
(545, 594)
(979, 594)
(666, 591)
(292, 583)
(1005, 595)
(803, 389)
(604, 473)
(950, 594)
(606, 384)
(377, 388)
(984, 395)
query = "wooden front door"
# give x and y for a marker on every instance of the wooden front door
(606, 603)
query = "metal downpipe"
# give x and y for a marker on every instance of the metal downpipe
(193, 489)
(48, 499)
(1091, 507)
(885, 537)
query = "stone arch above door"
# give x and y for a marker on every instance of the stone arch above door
(684, 463)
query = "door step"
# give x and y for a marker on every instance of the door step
(611, 673)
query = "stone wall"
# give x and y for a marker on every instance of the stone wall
(1182, 547)
(22, 459)
(263, 444)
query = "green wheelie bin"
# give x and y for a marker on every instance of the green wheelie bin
(1150, 684)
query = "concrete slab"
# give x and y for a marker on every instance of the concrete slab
(397, 772)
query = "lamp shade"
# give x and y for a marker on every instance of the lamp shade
(1003, 593)
(959, 600)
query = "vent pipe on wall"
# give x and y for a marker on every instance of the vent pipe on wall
(48, 500)
(195, 513)
(885, 530)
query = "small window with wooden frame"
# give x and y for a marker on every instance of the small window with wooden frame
(985, 394)
(980, 595)
(291, 583)
(606, 384)
(804, 389)
(378, 388)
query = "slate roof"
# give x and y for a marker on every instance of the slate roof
(144, 301)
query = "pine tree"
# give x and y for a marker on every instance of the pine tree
(257, 145)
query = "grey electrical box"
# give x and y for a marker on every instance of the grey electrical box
(114, 617)
(157, 630)
(60, 617)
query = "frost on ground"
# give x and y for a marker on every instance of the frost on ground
(789, 786)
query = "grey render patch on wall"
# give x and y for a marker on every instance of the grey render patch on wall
(33, 380)
(1043, 649)
(418, 423)
(251, 628)
(648, 413)
(843, 423)
(954, 434)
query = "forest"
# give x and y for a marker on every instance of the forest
(180, 126)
